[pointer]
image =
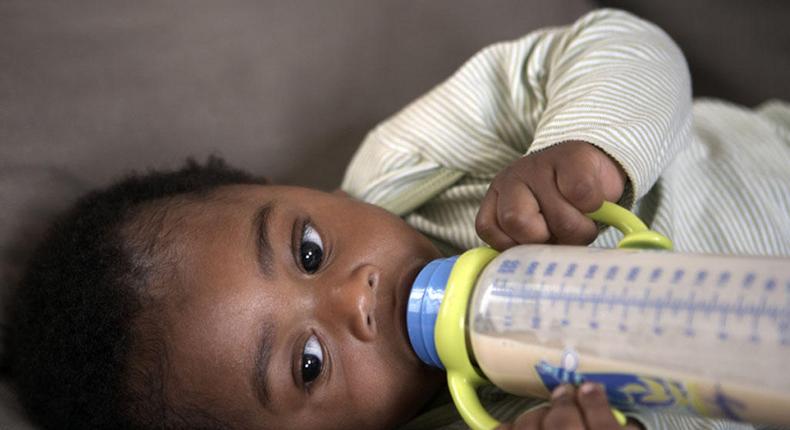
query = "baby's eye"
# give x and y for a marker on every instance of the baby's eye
(311, 249)
(312, 360)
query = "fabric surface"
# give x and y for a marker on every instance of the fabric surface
(614, 81)
(90, 89)
(611, 80)
(12, 417)
(737, 50)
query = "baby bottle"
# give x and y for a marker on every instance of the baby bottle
(689, 333)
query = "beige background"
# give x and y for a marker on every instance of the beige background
(90, 89)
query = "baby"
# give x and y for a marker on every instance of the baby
(207, 298)
(202, 299)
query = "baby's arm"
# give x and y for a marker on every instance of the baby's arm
(610, 79)
(604, 88)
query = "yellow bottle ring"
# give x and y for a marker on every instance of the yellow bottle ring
(463, 378)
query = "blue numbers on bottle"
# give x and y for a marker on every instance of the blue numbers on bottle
(748, 280)
(508, 266)
(633, 274)
(591, 271)
(701, 276)
(656, 274)
(611, 274)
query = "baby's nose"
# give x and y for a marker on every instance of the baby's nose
(356, 301)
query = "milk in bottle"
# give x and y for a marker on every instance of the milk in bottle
(686, 333)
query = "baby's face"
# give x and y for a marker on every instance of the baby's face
(289, 308)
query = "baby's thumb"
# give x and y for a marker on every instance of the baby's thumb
(613, 179)
(581, 187)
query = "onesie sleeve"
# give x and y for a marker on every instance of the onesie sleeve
(610, 79)
(622, 84)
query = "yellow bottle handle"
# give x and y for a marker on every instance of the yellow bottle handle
(450, 337)
(635, 232)
(463, 378)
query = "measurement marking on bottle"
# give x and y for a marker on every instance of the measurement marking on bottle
(748, 280)
(508, 266)
(644, 302)
(508, 306)
(571, 270)
(732, 312)
(624, 315)
(755, 335)
(536, 312)
(690, 319)
(740, 309)
(724, 278)
(612, 301)
(674, 305)
(591, 270)
(554, 297)
(633, 274)
(596, 302)
(724, 312)
(532, 267)
(784, 324)
(660, 305)
(611, 274)
(655, 275)
(581, 296)
(500, 286)
(566, 307)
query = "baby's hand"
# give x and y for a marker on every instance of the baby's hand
(543, 197)
(584, 409)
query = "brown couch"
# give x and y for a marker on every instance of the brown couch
(90, 89)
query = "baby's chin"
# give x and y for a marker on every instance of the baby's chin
(431, 382)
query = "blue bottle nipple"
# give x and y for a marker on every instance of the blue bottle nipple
(423, 307)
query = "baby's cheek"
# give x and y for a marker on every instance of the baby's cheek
(376, 394)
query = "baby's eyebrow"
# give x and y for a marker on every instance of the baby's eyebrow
(261, 222)
(263, 353)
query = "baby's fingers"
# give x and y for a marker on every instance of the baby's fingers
(595, 408)
(564, 413)
(568, 226)
(509, 215)
(519, 215)
(586, 177)
(487, 226)
(580, 187)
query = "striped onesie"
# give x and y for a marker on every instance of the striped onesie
(712, 176)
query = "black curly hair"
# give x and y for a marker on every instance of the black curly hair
(78, 318)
